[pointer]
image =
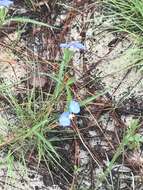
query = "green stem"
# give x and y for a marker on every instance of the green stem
(66, 59)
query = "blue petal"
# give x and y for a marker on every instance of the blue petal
(74, 107)
(77, 45)
(64, 119)
(73, 45)
(5, 3)
(64, 45)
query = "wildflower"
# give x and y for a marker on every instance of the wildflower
(74, 107)
(73, 45)
(64, 119)
(5, 3)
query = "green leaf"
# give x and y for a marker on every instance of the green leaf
(28, 20)
(3, 14)
(66, 59)
(68, 90)
(70, 81)
(90, 99)
(49, 145)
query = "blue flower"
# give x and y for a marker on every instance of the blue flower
(5, 3)
(74, 107)
(73, 45)
(64, 119)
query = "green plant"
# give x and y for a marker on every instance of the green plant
(6, 19)
(36, 118)
(133, 140)
(126, 15)
(3, 15)
(34, 122)
(130, 136)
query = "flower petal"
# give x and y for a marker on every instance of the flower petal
(73, 45)
(77, 45)
(64, 45)
(74, 107)
(5, 3)
(64, 119)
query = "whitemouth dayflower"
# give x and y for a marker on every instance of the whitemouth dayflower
(73, 45)
(74, 107)
(5, 3)
(66, 117)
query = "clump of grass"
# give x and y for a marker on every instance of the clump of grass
(127, 15)
(29, 138)
(29, 134)
(5, 18)
(130, 138)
